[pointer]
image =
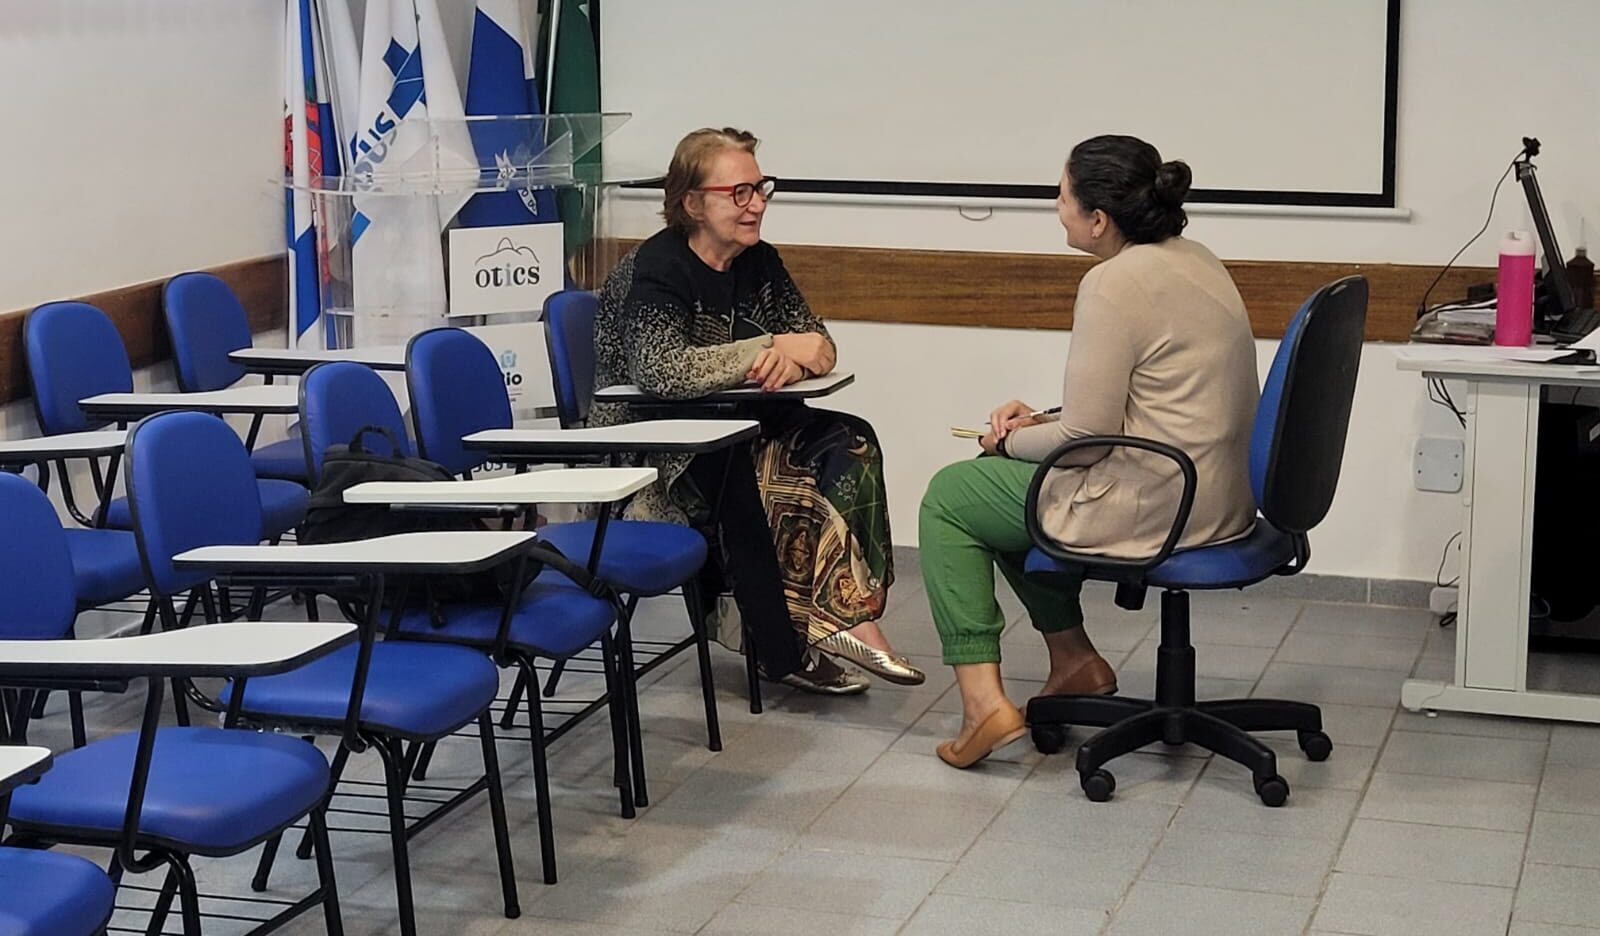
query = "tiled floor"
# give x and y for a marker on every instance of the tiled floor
(833, 816)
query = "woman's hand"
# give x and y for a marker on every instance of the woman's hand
(774, 369)
(990, 443)
(1009, 416)
(810, 350)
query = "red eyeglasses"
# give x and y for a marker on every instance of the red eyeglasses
(745, 191)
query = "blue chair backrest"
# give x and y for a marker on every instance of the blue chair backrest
(339, 399)
(569, 337)
(36, 577)
(457, 388)
(190, 484)
(73, 351)
(1297, 444)
(205, 321)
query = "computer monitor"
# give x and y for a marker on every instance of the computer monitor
(1554, 280)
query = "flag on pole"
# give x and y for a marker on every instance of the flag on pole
(572, 70)
(501, 81)
(409, 134)
(302, 127)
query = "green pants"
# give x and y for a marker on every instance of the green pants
(971, 521)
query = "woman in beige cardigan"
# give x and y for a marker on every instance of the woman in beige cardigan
(1161, 348)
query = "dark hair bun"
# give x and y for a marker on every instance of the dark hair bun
(1172, 183)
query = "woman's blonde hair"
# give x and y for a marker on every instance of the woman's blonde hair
(691, 163)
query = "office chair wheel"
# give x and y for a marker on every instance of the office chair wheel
(1273, 790)
(1316, 744)
(1098, 785)
(1049, 739)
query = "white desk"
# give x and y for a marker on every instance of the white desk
(292, 362)
(94, 444)
(425, 553)
(678, 436)
(242, 649)
(19, 765)
(1491, 673)
(269, 400)
(562, 486)
(811, 388)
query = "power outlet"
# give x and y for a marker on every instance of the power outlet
(1436, 464)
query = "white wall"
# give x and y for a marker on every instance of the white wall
(142, 138)
(1475, 77)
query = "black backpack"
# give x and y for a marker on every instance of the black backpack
(330, 520)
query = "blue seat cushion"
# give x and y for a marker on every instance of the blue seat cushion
(105, 565)
(414, 690)
(283, 506)
(119, 516)
(640, 557)
(211, 792)
(285, 459)
(48, 894)
(1226, 565)
(555, 618)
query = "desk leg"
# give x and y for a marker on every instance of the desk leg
(1497, 543)
(1491, 675)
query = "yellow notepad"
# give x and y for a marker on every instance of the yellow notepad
(962, 432)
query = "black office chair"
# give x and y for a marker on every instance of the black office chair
(1295, 452)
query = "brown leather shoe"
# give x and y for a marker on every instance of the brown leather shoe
(1095, 677)
(1002, 727)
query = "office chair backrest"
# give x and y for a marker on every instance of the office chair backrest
(457, 388)
(36, 578)
(190, 484)
(1297, 445)
(569, 338)
(205, 321)
(337, 400)
(73, 351)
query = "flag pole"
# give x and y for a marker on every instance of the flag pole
(550, 56)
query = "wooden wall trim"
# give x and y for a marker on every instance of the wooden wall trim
(260, 284)
(1026, 290)
(1015, 290)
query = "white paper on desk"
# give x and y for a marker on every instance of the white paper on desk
(1428, 353)
(1589, 342)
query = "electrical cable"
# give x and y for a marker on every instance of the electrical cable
(1423, 305)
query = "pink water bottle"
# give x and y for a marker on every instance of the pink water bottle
(1513, 315)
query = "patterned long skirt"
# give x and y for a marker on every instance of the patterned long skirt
(821, 479)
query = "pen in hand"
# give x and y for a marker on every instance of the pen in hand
(1037, 413)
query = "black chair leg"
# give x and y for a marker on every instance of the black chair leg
(556, 669)
(708, 688)
(541, 778)
(1265, 714)
(332, 919)
(752, 673)
(615, 705)
(497, 815)
(1232, 742)
(1126, 736)
(394, 775)
(630, 698)
(269, 855)
(341, 757)
(188, 897)
(160, 910)
(424, 758)
(509, 719)
(80, 734)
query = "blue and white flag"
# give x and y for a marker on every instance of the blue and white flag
(501, 81)
(302, 127)
(410, 137)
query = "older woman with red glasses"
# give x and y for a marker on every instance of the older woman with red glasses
(802, 524)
